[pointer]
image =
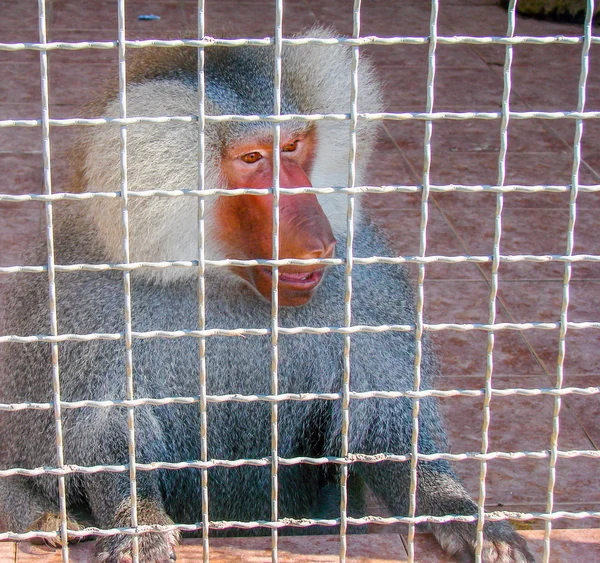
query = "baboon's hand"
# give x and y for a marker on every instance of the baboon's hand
(50, 522)
(501, 543)
(153, 548)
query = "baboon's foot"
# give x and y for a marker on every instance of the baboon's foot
(50, 522)
(153, 547)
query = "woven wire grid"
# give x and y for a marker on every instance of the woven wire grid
(429, 117)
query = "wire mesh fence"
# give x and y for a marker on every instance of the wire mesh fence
(202, 192)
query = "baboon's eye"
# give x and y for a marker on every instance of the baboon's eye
(290, 147)
(251, 157)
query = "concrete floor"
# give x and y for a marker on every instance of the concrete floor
(468, 78)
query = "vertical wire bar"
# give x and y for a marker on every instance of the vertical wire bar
(275, 282)
(202, 287)
(127, 281)
(60, 460)
(348, 283)
(508, 57)
(421, 279)
(583, 76)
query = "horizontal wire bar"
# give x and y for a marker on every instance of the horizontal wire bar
(281, 397)
(208, 42)
(389, 260)
(448, 115)
(268, 118)
(442, 188)
(351, 459)
(304, 523)
(243, 332)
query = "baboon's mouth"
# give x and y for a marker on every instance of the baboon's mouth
(303, 280)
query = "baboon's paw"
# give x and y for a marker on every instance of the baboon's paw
(51, 522)
(154, 547)
(501, 543)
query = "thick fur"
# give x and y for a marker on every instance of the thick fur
(316, 79)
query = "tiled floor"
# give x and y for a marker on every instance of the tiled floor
(468, 78)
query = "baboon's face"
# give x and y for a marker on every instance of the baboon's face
(246, 222)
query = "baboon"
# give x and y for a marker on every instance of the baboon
(315, 80)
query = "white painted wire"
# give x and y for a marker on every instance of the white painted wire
(349, 262)
(202, 288)
(306, 523)
(491, 336)
(275, 281)
(476, 188)
(242, 332)
(238, 398)
(130, 392)
(583, 77)
(284, 118)
(419, 322)
(309, 262)
(351, 41)
(263, 462)
(63, 535)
